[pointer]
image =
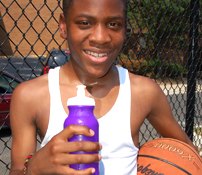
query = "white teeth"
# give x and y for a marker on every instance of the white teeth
(98, 55)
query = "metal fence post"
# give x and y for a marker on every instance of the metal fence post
(192, 67)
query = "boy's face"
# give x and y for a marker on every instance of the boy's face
(95, 32)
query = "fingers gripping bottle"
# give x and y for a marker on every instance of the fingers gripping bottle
(81, 113)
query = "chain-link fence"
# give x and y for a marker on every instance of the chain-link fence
(163, 42)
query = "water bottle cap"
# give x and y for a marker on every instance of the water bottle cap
(81, 99)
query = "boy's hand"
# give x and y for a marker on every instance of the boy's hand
(54, 158)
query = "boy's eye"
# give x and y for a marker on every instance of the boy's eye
(85, 23)
(114, 25)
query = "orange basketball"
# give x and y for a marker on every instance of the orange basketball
(166, 156)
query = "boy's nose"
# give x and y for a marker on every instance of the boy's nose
(100, 35)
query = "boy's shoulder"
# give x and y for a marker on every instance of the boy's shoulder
(32, 88)
(141, 81)
(144, 85)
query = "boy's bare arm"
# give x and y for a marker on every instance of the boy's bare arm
(150, 102)
(161, 116)
(23, 129)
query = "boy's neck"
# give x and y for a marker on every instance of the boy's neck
(97, 87)
(82, 78)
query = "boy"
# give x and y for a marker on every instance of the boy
(95, 31)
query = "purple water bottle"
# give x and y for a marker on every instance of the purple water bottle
(81, 113)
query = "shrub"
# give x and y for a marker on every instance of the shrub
(153, 67)
(173, 70)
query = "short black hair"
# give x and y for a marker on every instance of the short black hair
(68, 3)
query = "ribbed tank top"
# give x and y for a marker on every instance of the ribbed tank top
(119, 154)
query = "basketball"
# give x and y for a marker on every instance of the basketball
(166, 156)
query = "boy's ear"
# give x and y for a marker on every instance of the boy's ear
(62, 26)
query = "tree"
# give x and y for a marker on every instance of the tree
(165, 23)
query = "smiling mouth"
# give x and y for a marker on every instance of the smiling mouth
(97, 55)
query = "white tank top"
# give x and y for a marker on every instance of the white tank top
(119, 154)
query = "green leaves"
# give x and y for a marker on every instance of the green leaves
(161, 18)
